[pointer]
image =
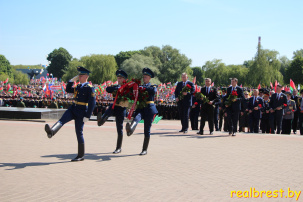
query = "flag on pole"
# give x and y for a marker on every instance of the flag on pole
(259, 86)
(4, 82)
(271, 86)
(292, 85)
(213, 84)
(194, 81)
(276, 83)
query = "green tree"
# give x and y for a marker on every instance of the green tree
(266, 68)
(103, 67)
(5, 66)
(285, 63)
(298, 53)
(240, 72)
(170, 61)
(295, 70)
(59, 59)
(217, 71)
(134, 66)
(199, 74)
(20, 78)
(124, 55)
(71, 70)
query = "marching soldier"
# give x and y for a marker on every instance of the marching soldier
(147, 113)
(80, 111)
(277, 102)
(233, 111)
(118, 111)
(255, 106)
(184, 104)
(288, 114)
(207, 109)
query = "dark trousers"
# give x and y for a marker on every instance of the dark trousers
(265, 126)
(207, 111)
(75, 114)
(216, 118)
(184, 115)
(254, 124)
(221, 116)
(148, 121)
(301, 123)
(194, 116)
(276, 120)
(286, 126)
(233, 118)
(295, 121)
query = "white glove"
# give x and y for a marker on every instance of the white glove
(85, 119)
(74, 79)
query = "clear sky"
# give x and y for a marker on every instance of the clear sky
(201, 29)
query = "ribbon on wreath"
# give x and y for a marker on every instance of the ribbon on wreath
(128, 85)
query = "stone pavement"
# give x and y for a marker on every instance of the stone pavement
(178, 167)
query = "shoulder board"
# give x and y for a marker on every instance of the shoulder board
(89, 85)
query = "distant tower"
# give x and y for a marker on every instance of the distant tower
(259, 45)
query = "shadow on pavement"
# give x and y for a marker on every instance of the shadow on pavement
(66, 158)
(89, 156)
(30, 164)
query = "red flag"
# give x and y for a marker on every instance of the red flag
(276, 83)
(4, 82)
(8, 87)
(241, 86)
(259, 87)
(271, 86)
(116, 83)
(194, 81)
(292, 84)
(213, 84)
(169, 83)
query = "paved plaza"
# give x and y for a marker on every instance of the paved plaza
(178, 167)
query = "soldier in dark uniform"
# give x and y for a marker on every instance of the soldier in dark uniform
(235, 108)
(207, 109)
(295, 97)
(184, 104)
(265, 125)
(54, 104)
(277, 102)
(21, 103)
(80, 111)
(255, 106)
(118, 111)
(147, 113)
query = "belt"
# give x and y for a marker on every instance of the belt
(150, 102)
(81, 103)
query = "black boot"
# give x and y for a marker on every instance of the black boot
(131, 128)
(145, 146)
(119, 144)
(52, 131)
(101, 119)
(80, 156)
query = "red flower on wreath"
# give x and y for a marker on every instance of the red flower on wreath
(188, 86)
(260, 105)
(196, 103)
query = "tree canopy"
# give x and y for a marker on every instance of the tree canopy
(59, 59)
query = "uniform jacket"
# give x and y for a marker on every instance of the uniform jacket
(212, 95)
(236, 106)
(84, 93)
(277, 102)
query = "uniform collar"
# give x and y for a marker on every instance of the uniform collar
(147, 84)
(82, 84)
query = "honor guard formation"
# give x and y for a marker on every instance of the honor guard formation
(230, 109)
